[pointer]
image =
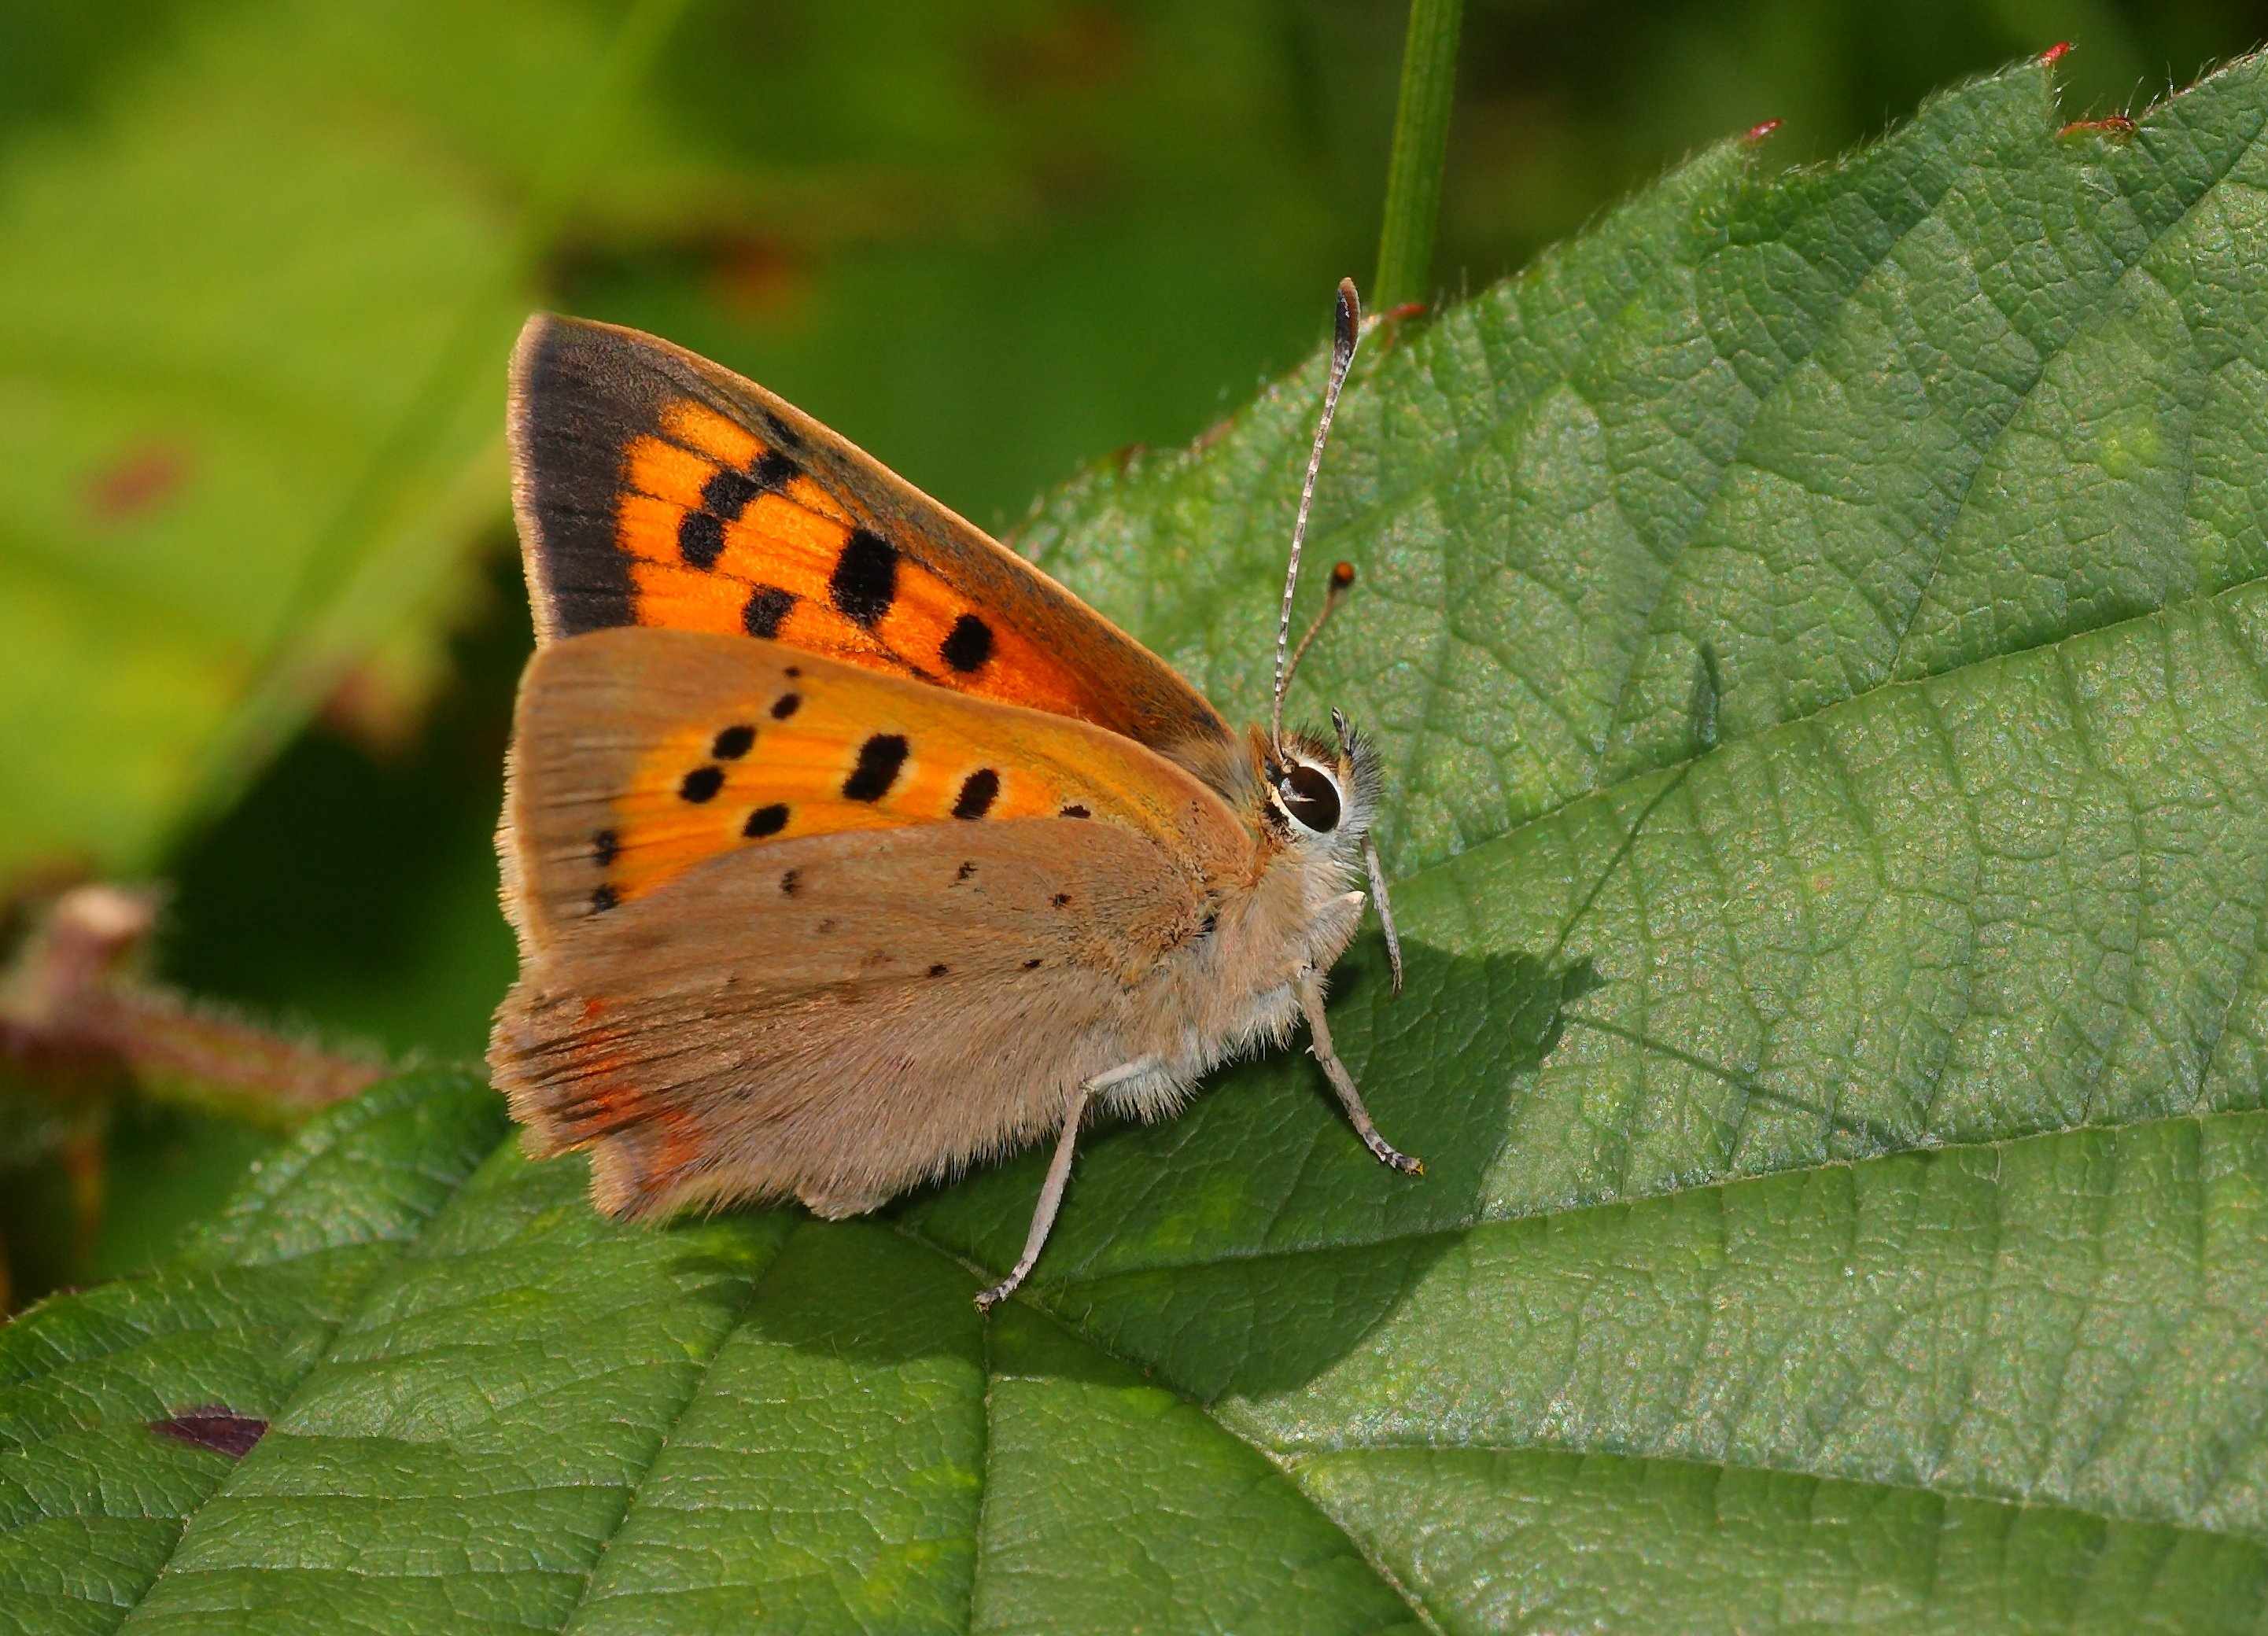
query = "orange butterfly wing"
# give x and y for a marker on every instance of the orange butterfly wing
(654, 487)
(638, 755)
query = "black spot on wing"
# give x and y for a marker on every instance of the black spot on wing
(880, 759)
(978, 791)
(734, 742)
(603, 898)
(790, 882)
(725, 498)
(770, 821)
(938, 970)
(1074, 811)
(727, 493)
(786, 705)
(606, 846)
(967, 644)
(775, 472)
(865, 578)
(700, 539)
(766, 611)
(702, 784)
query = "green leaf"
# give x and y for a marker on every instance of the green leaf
(1820, 629)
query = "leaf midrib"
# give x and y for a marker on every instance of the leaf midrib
(1578, 1208)
(1762, 1468)
(1291, 1462)
(983, 1276)
(634, 1486)
(1607, 793)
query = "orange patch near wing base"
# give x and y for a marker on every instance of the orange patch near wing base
(725, 532)
(641, 755)
(847, 755)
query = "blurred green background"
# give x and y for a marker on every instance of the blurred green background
(260, 614)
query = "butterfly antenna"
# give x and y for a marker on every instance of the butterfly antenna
(1342, 576)
(1343, 339)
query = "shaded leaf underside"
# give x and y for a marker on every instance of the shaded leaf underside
(1820, 629)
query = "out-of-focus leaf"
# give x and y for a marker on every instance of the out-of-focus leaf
(259, 300)
(1819, 628)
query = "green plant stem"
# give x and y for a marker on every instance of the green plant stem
(1421, 148)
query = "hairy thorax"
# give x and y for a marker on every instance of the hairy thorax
(1228, 992)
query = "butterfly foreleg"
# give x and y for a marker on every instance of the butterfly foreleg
(1051, 1190)
(1309, 986)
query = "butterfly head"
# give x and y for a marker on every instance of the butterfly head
(1318, 798)
(1321, 796)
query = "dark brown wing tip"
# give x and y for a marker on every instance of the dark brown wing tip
(580, 392)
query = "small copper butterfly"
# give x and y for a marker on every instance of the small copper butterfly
(845, 847)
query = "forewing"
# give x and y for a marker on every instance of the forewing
(638, 755)
(655, 488)
(839, 1017)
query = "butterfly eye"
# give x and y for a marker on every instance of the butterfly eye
(1310, 796)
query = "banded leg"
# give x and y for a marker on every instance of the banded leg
(1310, 990)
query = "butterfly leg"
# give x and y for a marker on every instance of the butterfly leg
(1309, 988)
(1051, 1190)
